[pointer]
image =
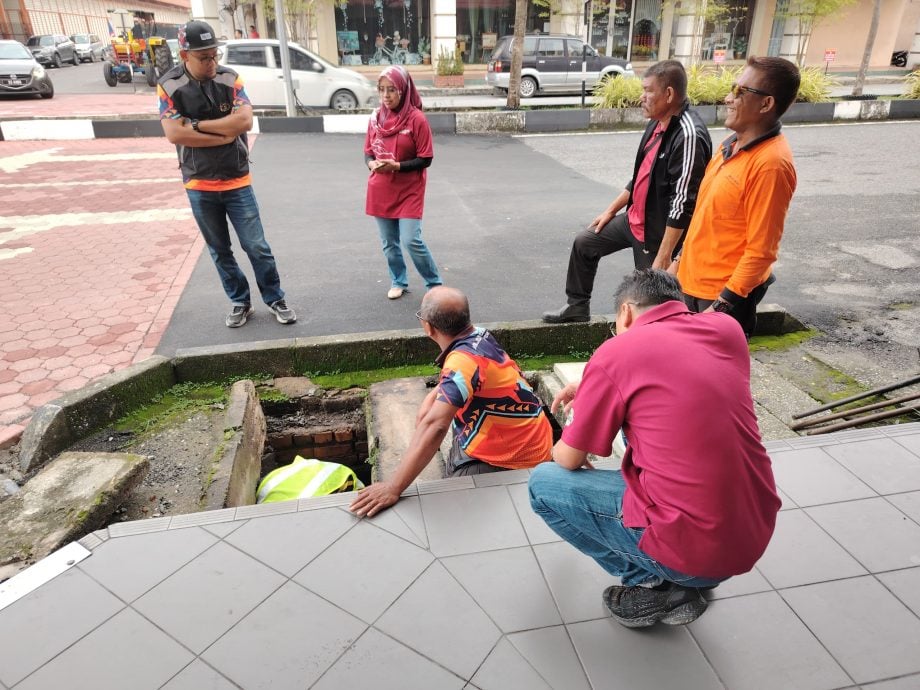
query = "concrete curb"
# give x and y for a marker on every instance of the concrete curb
(61, 423)
(466, 122)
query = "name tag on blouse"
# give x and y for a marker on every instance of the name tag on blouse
(405, 131)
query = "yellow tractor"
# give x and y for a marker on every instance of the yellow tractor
(137, 51)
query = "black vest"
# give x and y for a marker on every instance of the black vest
(207, 100)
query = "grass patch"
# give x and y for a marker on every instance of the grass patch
(901, 306)
(786, 341)
(180, 399)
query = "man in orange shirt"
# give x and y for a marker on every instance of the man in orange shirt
(498, 421)
(734, 236)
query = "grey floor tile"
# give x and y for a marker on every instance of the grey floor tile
(575, 580)
(550, 652)
(869, 632)
(48, 620)
(534, 526)
(787, 503)
(199, 676)
(909, 504)
(365, 571)
(409, 510)
(757, 641)
(748, 583)
(809, 476)
(222, 529)
(471, 520)
(269, 539)
(436, 618)
(200, 602)
(873, 531)
(663, 657)
(288, 641)
(903, 683)
(506, 669)
(129, 566)
(801, 553)
(911, 441)
(882, 463)
(905, 584)
(380, 662)
(501, 478)
(392, 522)
(125, 650)
(508, 585)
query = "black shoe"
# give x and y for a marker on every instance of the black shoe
(570, 313)
(639, 607)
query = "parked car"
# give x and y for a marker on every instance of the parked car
(88, 46)
(20, 73)
(552, 62)
(317, 83)
(53, 49)
(173, 44)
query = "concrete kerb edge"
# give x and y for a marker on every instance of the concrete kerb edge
(463, 122)
(61, 423)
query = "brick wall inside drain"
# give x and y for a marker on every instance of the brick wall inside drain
(344, 445)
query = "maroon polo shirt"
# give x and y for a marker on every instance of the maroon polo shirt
(697, 476)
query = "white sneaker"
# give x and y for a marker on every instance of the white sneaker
(395, 292)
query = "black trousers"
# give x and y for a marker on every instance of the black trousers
(588, 249)
(745, 312)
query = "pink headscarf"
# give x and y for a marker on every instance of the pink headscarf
(409, 100)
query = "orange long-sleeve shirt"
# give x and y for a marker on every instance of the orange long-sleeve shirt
(733, 239)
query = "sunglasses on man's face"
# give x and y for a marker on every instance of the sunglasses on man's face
(737, 91)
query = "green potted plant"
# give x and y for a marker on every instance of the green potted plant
(424, 49)
(449, 71)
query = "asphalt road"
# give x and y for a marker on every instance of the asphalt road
(501, 214)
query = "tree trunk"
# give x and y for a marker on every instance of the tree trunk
(517, 54)
(867, 53)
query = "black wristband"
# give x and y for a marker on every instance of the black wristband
(195, 125)
(721, 305)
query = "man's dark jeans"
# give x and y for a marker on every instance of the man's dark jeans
(590, 247)
(744, 312)
(211, 211)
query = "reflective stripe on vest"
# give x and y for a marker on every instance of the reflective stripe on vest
(305, 478)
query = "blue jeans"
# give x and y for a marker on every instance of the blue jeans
(211, 211)
(408, 232)
(585, 507)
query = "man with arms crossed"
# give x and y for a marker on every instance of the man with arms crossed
(727, 260)
(694, 501)
(205, 112)
(498, 421)
(659, 198)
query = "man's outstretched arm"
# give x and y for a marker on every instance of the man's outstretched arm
(426, 440)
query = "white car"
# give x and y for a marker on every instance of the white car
(317, 83)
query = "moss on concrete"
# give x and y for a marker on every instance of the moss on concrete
(786, 341)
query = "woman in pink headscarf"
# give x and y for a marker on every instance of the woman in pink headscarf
(397, 149)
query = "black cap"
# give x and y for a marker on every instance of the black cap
(197, 35)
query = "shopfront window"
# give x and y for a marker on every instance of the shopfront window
(629, 29)
(480, 23)
(382, 32)
(727, 30)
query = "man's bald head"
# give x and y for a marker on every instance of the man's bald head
(446, 309)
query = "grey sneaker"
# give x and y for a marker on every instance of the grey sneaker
(283, 312)
(239, 315)
(638, 607)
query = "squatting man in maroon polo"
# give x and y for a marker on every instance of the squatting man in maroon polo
(694, 501)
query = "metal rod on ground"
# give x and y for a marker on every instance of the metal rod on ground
(853, 411)
(853, 398)
(864, 420)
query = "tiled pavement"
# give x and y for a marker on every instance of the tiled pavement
(103, 106)
(460, 585)
(96, 244)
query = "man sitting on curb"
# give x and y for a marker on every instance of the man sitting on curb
(498, 420)
(695, 501)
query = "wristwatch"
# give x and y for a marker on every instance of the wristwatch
(721, 305)
(195, 125)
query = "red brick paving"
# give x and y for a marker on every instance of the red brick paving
(82, 106)
(88, 298)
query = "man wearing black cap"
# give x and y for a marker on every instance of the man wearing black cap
(206, 113)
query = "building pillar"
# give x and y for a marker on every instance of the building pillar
(913, 57)
(568, 17)
(761, 27)
(443, 29)
(685, 38)
(206, 10)
(667, 27)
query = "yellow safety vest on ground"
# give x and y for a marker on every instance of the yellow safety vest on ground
(306, 478)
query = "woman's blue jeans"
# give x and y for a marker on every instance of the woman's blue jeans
(211, 211)
(408, 232)
(585, 507)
